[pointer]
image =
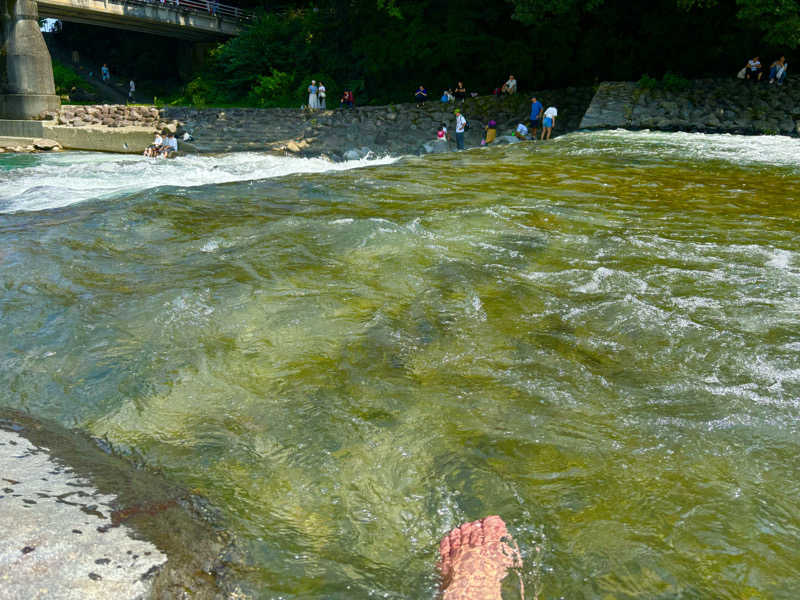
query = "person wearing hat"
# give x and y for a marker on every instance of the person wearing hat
(461, 125)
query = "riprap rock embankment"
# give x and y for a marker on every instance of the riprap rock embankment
(706, 105)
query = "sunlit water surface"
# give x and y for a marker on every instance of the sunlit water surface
(596, 338)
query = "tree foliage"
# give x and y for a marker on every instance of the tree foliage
(384, 49)
(777, 20)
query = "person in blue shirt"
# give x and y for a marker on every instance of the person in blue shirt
(536, 116)
(420, 96)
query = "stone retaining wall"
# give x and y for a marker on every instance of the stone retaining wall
(707, 105)
(110, 115)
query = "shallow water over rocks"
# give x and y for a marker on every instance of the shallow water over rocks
(595, 338)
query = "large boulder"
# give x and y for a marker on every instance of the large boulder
(45, 144)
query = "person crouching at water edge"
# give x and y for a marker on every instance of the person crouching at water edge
(155, 148)
(521, 133)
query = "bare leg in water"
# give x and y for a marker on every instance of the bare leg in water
(474, 559)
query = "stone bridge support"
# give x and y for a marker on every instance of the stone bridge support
(26, 70)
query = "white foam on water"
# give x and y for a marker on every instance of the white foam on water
(780, 259)
(59, 180)
(776, 150)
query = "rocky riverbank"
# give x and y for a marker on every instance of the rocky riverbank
(705, 105)
(111, 116)
(339, 134)
(712, 106)
(352, 133)
(25, 144)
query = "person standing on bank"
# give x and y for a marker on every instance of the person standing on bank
(313, 100)
(536, 117)
(460, 92)
(131, 91)
(321, 95)
(461, 124)
(549, 121)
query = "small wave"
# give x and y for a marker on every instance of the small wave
(60, 180)
(776, 150)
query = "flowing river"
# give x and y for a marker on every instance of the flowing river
(597, 338)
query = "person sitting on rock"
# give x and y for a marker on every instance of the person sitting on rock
(153, 149)
(441, 136)
(522, 132)
(509, 87)
(170, 147)
(420, 96)
(347, 99)
(753, 69)
(777, 71)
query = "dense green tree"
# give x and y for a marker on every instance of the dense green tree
(384, 49)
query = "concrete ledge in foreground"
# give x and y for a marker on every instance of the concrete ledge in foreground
(58, 537)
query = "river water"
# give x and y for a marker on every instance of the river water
(596, 338)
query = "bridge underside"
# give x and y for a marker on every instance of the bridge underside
(156, 18)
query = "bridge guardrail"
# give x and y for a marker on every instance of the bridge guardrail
(210, 7)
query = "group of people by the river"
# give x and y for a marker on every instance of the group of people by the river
(162, 147)
(754, 71)
(540, 118)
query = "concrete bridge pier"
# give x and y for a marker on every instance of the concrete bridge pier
(26, 71)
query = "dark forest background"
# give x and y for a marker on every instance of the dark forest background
(384, 49)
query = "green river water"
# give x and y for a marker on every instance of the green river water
(596, 338)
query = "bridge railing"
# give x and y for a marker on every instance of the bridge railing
(209, 7)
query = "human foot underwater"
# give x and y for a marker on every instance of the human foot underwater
(474, 559)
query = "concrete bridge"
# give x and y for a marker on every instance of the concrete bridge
(195, 20)
(26, 74)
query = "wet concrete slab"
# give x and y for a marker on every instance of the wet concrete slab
(78, 520)
(59, 540)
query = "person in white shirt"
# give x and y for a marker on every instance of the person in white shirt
(172, 142)
(153, 149)
(131, 90)
(549, 122)
(461, 125)
(521, 132)
(321, 94)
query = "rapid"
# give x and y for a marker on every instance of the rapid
(597, 338)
